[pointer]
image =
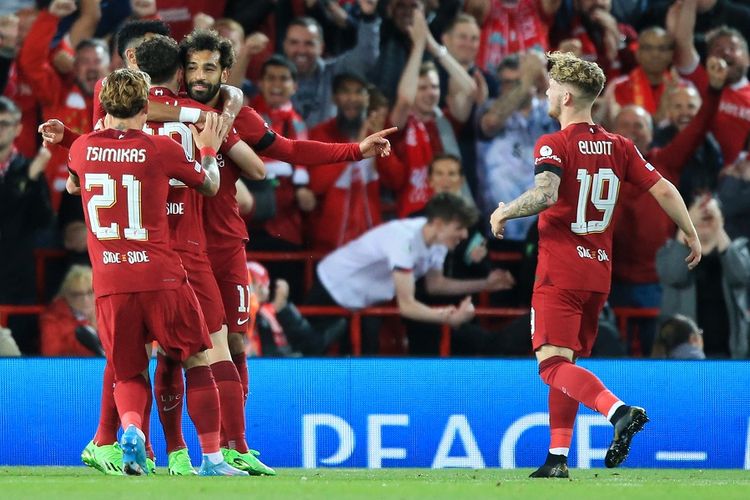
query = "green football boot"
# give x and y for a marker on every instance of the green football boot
(247, 461)
(106, 458)
(179, 464)
(151, 465)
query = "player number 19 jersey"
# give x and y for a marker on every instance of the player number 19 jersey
(575, 234)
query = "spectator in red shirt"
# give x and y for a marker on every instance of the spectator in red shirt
(72, 309)
(349, 192)
(511, 26)
(277, 84)
(601, 38)
(69, 99)
(645, 85)
(634, 279)
(423, 128)
(731, 125)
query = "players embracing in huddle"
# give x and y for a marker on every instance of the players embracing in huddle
(209, 241)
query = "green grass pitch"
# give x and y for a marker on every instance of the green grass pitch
(330, 484)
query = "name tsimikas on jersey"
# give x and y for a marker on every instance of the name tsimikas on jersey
(130, 155)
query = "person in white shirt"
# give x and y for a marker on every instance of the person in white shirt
(385, 262)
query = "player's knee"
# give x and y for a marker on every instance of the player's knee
(549, 366)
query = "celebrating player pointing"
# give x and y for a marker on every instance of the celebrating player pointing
(578, 174)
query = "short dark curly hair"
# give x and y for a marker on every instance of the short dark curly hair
(199, 40)
(159, 57)
(132, 31)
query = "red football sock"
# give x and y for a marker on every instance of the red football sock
(562, 417)
(577, 383)
(170, 391)
(109, 419)
(240, 361)
(232, 404)
(131, 397)
(203, 407)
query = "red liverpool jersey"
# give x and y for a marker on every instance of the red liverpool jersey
(575, 234)
(224, 225)
(184, 205)
(124, 177)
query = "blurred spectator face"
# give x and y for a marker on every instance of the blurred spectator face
(634, 123)
(428, 92)
(260, 281)
(445, 176)
(74, 236)
(655, 51)
(77, 289)
(589, 6)
(351, 99)
(402, 13)
(684, 103)
(204, 75)
(91, 64)
(463, 42)
(303, 46)
(277, 85)
(232, 32)
(707, 217)
(450, 233)
(10, 128)
(734, 52)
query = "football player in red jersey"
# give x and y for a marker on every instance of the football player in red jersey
(578, 172)
(207, 59)
(142, 292)
(159, 58)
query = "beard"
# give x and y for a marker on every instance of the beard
(205, 95)
(350, 126)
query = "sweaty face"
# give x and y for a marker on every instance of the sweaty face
(450, 233)
(277, 85)
(683, 106)
(635, 126)
(732, 50)
(428, 92)
(303, 47)
(463, 42)
(91, 64)
(203, 75)
(351, 99)
(655, 52)
(445, 176)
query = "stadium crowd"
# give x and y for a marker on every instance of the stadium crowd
(464, 82)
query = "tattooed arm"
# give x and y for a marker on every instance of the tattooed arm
(533, 201)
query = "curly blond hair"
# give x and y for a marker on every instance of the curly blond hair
(585, 76)
(125, 92)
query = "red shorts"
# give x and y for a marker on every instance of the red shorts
(565, 318)
(127, 321)
(201, 278)
(230, 269)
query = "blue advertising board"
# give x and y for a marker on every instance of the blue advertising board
(406, 413)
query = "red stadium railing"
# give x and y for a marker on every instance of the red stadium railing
(11, 310)
(355, 321)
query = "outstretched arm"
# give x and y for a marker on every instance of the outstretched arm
(543, 195)
(670, 200)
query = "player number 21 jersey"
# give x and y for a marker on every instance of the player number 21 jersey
(575, 234)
